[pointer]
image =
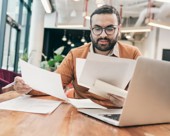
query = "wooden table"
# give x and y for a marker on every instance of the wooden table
(66, 121)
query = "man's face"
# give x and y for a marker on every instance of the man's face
(104, 39)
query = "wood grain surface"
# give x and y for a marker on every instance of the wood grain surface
(66, 121)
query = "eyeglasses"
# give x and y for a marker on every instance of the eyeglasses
(109, 30)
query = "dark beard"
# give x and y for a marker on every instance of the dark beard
(101, 47)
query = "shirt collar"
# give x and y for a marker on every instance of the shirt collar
(115, 51)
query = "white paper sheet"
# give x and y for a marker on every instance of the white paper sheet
(79, 67)
(102, 89)
(42, 80)
(27, 103)
(85, 103)
(112, 70)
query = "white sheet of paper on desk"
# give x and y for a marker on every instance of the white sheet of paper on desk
(27, 103)
(85, 103)
(112, 70)
(42, 80)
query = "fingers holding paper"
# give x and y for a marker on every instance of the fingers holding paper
(106, 99)
(116, 100)
(20, 86)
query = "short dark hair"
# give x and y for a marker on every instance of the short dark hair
(106, 9)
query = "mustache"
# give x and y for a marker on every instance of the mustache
(103, 39)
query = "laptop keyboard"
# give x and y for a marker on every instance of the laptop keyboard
(111, 116)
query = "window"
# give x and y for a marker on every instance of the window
(15, 31)
(9, 47)
(0, 9)
(23, 31)
(26, 1)
(13, 9)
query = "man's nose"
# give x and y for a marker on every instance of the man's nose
(103, 34)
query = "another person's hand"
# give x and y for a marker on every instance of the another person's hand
(20, 86)
(116, 100)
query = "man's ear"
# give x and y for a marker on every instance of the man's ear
(119, 31)
(119, 27)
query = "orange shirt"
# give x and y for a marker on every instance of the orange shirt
(67, 69)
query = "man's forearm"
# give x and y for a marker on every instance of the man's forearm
(36, 93)
(10, 87)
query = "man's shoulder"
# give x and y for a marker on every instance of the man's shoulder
(128, 51)
(125, 46)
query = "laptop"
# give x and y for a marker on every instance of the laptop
(148, 98)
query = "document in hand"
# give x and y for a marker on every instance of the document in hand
(42, 80)
(50, 83)
(113, 71)
(103, 89)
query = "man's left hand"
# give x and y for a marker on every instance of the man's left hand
(116, 100)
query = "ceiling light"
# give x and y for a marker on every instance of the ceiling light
(128, 36)
(69, 42)
(64, 36)
(72, 45)
(47, 6)
(135, 29)
(83, 39)
(159, 24)
(87, 17)
(163, 0)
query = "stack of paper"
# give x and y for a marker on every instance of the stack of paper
(104, 74)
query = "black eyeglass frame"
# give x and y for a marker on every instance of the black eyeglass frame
(114, 27)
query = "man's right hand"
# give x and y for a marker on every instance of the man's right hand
(20, 86)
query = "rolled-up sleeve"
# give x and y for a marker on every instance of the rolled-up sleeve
(66, 69)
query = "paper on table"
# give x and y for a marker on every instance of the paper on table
(85, 103)
(42, 80)
(102, 89)
(112, 70)
(27, 104)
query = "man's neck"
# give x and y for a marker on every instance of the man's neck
(102, 52)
